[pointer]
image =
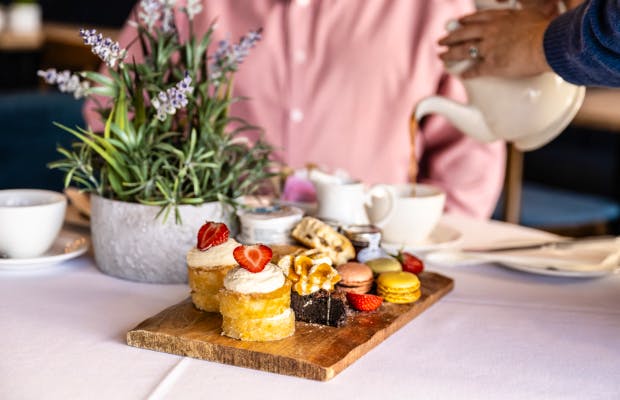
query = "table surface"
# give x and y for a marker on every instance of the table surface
(500, 334)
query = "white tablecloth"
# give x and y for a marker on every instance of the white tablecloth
(501, 334)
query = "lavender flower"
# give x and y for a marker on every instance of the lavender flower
(153, 12)
(227, 57)
(193, 8)
(108, 50)
(169, 101)
(66, 81)
(167, 23)
(149, 13)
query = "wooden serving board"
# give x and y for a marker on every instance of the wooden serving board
(314, 351)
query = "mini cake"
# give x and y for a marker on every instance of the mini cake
(399, 287)
(318, 235)
(313, 298)
(355, 277)
(255, 300)
(208, 263)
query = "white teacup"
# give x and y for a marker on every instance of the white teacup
(416, 211)
(30, 220)
(345, 202)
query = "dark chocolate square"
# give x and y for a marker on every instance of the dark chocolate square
(321, 307)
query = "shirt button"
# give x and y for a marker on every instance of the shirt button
(302, 3)
(296, 115)
(300, 56)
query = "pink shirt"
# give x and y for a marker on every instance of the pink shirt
(334, 82)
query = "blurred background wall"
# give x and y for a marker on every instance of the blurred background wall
(28, 108)
(568, 184)
(17, 63)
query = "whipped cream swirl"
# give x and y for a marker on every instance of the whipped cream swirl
(241, 280)
(216, 256)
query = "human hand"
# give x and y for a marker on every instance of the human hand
(505, 43)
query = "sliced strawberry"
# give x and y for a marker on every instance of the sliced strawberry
(410, 263)
(212, 234)
(253, 258)
(364, 302)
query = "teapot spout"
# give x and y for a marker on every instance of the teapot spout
(466, 118)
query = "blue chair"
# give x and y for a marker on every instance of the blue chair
(28, 138)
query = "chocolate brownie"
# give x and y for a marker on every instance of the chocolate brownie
(321, 307)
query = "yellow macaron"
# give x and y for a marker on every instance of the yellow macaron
(398, 287)
(384, 264)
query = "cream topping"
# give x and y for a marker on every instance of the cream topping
(215, 256)
(286, 314)
(241, 280)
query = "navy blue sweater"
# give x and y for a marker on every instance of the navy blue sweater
(583, 45)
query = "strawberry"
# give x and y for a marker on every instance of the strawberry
(364, 302)
(410, 263)
(253, 258)
(212, 234)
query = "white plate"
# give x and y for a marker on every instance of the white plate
(66, 246)
(441, 237)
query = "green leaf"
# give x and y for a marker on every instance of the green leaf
(99, 78)
(107, 91)
(100, 150)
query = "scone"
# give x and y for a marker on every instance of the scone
(208, 263)
(256, 297)
(318, 235)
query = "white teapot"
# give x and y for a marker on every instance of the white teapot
(529, 112)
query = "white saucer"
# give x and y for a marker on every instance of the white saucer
(67, 245)
(441, 237)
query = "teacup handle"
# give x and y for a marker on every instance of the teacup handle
(382, 191)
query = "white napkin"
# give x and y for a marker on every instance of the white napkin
(596, 255)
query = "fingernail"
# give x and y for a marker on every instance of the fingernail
(452, 25)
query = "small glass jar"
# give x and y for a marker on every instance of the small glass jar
(366, 239)
(268, 225)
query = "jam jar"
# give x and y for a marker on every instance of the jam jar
(366, 239)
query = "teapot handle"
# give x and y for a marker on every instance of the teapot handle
(382, 191)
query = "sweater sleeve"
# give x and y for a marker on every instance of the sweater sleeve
(583, 44)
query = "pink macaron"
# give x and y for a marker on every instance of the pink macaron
(355, 277)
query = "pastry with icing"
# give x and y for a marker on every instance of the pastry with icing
(207, 264)
(256, 297)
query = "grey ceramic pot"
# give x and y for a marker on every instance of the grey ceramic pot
(130, 243)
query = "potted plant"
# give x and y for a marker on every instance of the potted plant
(168, 146)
